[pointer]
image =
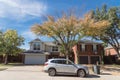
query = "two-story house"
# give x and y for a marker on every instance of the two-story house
(40, 51)
(89, 52)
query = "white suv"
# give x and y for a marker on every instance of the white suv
(64, 66)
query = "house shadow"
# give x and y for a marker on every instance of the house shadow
(112, 69)
(22, 64)
(105, 74)
(2, 69)
(13, 64)
(22, 71)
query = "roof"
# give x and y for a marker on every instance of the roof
(37, 39)
(109, 47)
(57, 59)
(32, 51)
(89, 42)
(50, 43)
(39, 52)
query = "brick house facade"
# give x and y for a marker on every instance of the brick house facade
(89, 52)
(110, 51)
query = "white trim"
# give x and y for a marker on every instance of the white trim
(34, 54)
(94, 47)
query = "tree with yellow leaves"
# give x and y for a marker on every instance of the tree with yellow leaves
(65, 30)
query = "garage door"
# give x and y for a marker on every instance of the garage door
(83, 59)
(35, 59)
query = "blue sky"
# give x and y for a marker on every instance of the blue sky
(20, 15)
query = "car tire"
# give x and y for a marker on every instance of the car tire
(52, 72)
(81, 73)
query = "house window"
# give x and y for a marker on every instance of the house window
(89, 48)
(97, 48)
(54, 48)
(81, 48)
(86, 48)
(36, 46)
(92, 48)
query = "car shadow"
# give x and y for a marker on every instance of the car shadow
(88, 76)
(93, 76)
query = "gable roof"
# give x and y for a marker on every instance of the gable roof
(37, 39)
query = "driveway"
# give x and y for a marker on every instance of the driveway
(36, 73)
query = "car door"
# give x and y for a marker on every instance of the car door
(68, 67)
(59, 65)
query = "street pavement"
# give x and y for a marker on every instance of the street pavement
(35, 72)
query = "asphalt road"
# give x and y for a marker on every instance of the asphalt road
(36, 73)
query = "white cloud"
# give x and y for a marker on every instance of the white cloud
(21, 8)
(28, 35)
(26, 46)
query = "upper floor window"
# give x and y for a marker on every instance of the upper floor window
(54, 48)
(89, 48)
(80, 48)
(86, 48)
(36, 46)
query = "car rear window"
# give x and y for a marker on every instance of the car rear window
(59, 61)
(53, 61)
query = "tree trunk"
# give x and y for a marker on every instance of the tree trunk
(77, 58)
(67, 56)
(6, 59)
(118, 54)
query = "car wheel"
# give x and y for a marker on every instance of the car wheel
(52, 72)
(81, 73)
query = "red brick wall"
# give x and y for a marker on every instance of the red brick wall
(110, 51)
(89, 49)
(86, 56)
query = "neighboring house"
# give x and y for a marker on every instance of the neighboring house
(110, 56)
(40, 51)
(110, 51)
(89, 51)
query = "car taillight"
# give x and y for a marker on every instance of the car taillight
(45, 64)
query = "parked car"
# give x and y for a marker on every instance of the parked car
(64, 66)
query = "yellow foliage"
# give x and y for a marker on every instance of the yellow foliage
(92, 27)
(59, 26)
